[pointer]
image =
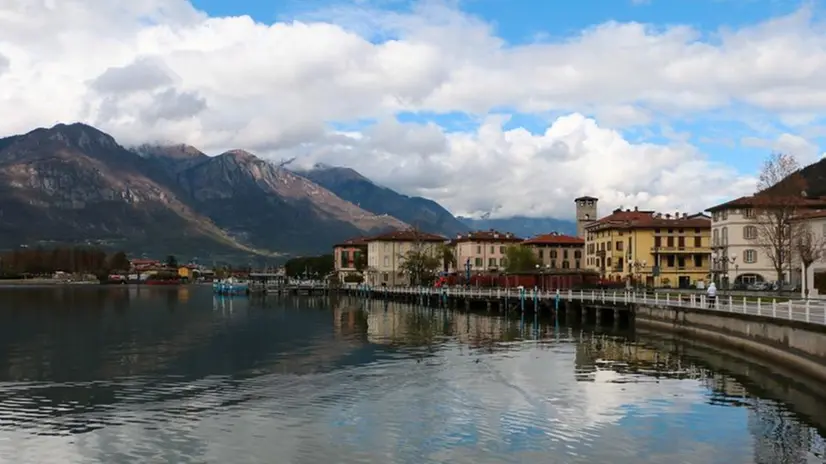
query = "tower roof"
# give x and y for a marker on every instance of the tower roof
(586, 198)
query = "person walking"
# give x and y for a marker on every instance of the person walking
(711, 294)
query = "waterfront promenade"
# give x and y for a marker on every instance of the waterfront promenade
(800, 310)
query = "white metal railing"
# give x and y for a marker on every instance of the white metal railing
(811, 311)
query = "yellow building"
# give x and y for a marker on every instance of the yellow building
(651, 248)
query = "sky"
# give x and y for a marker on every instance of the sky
(486, 106)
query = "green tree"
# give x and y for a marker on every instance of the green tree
(309, 265)
(448, 256)
(119, 262)
(172, 261)
(360, 261)
(420, 266)
(520, 259)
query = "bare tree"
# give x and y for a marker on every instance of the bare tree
(809, 247)
(781, 191)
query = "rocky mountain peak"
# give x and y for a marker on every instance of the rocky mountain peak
(78, 135)
(179, 151)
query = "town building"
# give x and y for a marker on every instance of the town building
(350, 257)
(483, 251)
(386, 254)
(646, 247)
(814, 280)
(557, 251)
(586, 213)
(739, 258)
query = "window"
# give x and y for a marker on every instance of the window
(619, 246)
(478, 249)
(670, 261)
(698, 260)
(576, 264)
(609, 245)
(503, 262)
(680, 262)
(564, 254)
(698, 242)
(386, 261)
(492, 249)
(658, 242)
(502, 250)
(715, 238)
(715, 216)
(750, 233)
(565, 265)
(681, 242)
(748, 213)
(725, 236)
(608, 262)
(541, 254)
(724, 214)
(553, 254)
(750, 256)
(491, 262)
(670, 241)
(553, 263)
(345, 258)
(477, 262)
(578, 254)
(384, 276)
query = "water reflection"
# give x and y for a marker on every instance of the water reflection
(167, 375)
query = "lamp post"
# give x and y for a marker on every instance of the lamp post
(636, 268)
(720, 264)
(467, 273)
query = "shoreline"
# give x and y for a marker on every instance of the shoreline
(43, 281)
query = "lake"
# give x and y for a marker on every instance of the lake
(174, 375)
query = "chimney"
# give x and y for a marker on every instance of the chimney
(668, 215)
(636, 208)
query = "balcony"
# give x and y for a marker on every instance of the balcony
(677, 249)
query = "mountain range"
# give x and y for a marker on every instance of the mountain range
(72, 184)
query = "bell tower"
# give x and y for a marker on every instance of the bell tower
(586, 212)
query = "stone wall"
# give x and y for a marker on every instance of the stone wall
(789, 342)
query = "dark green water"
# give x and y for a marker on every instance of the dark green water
(127, 375)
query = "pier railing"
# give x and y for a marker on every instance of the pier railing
(810, 311)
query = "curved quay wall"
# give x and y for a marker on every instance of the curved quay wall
(791, 342)
(791, 332)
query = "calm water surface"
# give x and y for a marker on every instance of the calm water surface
(117, 375)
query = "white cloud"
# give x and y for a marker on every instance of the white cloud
(805, 151)
(161, 70)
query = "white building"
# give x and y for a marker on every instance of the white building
(816, 273)
(736, 253)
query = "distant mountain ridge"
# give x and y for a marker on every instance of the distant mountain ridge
(424, 214)
(73, 183)
(522, 226)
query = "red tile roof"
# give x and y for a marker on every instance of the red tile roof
(817, 214)
(628, 219)
(353, 242)
(407, 235)
(765, 201)
(487, 236)
(554, 239)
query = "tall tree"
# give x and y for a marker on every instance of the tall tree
(809, 247)
(421, 262)
(448, 256)
(520, 259)
(119, 262)
(171, 261)
(781, 191)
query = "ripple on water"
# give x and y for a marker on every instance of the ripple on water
(297, 383)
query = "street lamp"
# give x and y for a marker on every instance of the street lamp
(636, 267)
(720, 264)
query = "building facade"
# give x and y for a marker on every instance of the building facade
(350, 257)
(815, 274)
(386, 254)
(654, 249)
(557, 251)
(739, 258)
(483, 251)
(586, 213)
